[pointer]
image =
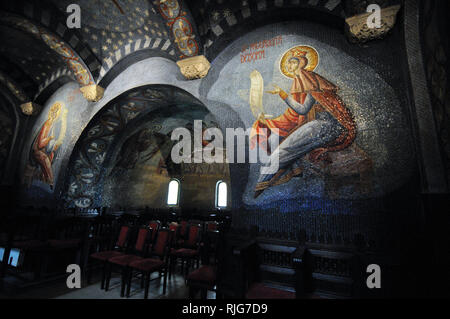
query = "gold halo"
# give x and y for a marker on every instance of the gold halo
(311, 55)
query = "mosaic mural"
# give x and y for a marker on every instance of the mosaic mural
(46, 144)
(123, 158)
(138, 174)
(109, 26)
(51, 140)
(181, 28)
(71, 58)
(342, 131)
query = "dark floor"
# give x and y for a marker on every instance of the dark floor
(57, 289)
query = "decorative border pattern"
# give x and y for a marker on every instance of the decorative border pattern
(74, 62)
(220, 24)
(140, 44)
(46, 16)
(180, 27)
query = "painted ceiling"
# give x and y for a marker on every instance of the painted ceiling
(109, 25)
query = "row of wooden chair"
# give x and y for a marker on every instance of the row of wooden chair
(155, 249)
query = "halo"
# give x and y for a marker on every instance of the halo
(312, 55)
(56, 105)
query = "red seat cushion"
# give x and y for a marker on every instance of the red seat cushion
(148, 264)
(124, 260)
(105, 255)
(185, 252)
(205, 274)
(261, 291)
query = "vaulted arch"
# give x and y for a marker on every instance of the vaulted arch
(130, 130)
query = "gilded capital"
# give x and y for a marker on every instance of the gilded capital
(30, 108)
(196, 67)
(359, 32)
(92, 93)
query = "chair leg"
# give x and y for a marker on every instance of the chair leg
(165, 281)
(123, 281)
(108, 275)
(129, 278)
(147, 285)
(188, 266)
(104, 266)
(142, 281)
(182, 266)
(172, 261)
(203, 293)
(88, 273)
(192, 292)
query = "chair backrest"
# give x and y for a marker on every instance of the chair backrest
(194, 235)
(173, 226)
(162, 242)
(123, 236)
(183, 228)
(142, 239)
(211, 225)
(154, 225)
(174, 229)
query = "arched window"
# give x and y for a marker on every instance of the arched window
(174, 193)
(221, 194)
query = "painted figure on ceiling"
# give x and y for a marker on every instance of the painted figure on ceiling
(48, 141)
(315, 122)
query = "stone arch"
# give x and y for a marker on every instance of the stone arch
(55, 41)
(48, 16)
(132, 53)
(237, 17)
(156, 108)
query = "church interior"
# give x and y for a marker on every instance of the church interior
(212, 149)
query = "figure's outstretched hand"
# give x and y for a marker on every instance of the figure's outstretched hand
(261, 116)
(276, 90)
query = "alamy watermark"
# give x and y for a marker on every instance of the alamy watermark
(374, 20)
(182, 151)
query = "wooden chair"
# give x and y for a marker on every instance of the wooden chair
(189, 251)
(175, 231)
(211, 226)
(270, 269)
(117, 250)
(158, 262)
(154, 225)
(123, 261)
(205, 278)
(182, 235)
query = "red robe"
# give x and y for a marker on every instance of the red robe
(324, 92)
(43, 158)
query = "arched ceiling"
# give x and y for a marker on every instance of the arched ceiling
(114, 29)
(159, 108)
(109, 25)
(38, 62)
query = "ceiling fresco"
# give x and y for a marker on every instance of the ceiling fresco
(107, 26)
(38, 62)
